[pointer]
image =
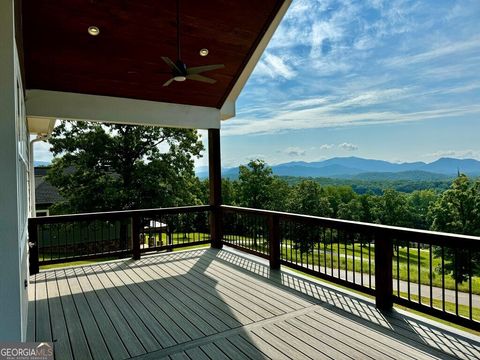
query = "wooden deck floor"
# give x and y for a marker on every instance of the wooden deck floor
(210, 304)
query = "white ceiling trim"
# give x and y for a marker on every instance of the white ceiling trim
(96, 108)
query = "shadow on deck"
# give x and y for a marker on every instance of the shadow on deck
(203, 304)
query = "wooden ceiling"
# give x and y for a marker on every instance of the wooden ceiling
(125, 59)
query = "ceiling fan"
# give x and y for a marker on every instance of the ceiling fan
(180, 71)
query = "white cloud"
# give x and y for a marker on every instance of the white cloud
(441, 50)
(274, 66)
(326, 146)
(348, 146)
(317, 118)
(295, 151)
(459, 154)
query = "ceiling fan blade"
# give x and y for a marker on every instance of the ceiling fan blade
(168, 82)
(171, 63)
(199, 69)
(201, 78)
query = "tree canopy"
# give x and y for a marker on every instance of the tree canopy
(101, 167)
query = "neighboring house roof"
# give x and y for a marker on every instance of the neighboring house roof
(45, 193)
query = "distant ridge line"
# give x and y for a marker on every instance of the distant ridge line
(361, 168)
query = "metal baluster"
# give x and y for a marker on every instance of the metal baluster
(408, 268)
(338, 253)
(443, 278)
(398, 267)
(331, 252)
(431, 276)
(346, 254)
(361, 259)
(370, 264)
(353, 253)
(325, 249)
(419, 278)
(455, 267)
(470, 305)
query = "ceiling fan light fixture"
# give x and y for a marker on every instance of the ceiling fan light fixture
(93, 30)
(203, 52)
(179, 78)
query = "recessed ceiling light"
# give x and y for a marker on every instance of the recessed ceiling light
(203, 52)
(93, 30)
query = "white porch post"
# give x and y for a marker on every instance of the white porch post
(13, 257)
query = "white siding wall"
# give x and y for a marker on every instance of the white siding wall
(13, 185)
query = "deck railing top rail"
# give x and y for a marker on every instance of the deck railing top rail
(387, 231)
(121, 214)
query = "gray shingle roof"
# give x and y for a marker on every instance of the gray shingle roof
(45, 193)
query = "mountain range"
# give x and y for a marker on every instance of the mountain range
(368, 169)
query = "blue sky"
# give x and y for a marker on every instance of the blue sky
(394, 80)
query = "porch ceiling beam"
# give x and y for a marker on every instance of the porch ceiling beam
(84, 107)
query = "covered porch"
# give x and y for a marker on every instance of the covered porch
(209, 303)
(221, 304)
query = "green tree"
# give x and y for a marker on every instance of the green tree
(280, 192)
(457, 210)
(338, 195)
(392, 209)
(419, 203)
(255, 185)
(368, 202)
(229, 195)
(103, 167)
(309, 198)
(352, 210)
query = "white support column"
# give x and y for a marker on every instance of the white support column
(13, 258)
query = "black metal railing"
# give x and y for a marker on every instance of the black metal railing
(435, 273)
(64, 238)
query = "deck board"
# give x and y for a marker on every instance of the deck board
(93, 334)
(57, 319)
(230, 291)
(144, 296)
(43, 331)
(133, 314)
(246, 348)
(191, 301)
(76, 334)
(210, 304)
(196, 326)
(121, 323)
(31, 311)
(151, 324)
(110, 334)
(274, 306)
(242, 313)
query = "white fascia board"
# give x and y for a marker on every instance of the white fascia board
(84, 107)
(40, 125)
(227, 111)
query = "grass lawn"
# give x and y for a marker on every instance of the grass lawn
(75, 263)
(330, 254)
